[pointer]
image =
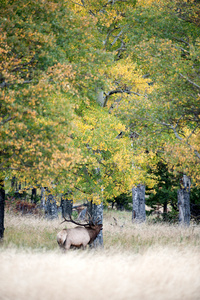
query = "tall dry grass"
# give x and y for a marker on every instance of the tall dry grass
(118, 230)
(148, 261)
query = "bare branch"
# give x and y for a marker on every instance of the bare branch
(114, 92)
(197, 154)
(174, 130)
(117, 37)
(192, 132)
(7, 120)
(176, 133)
(180, 138)
(19, 67)
(108, 34)
(177, 47)
(6, 160)
(79, 3)
(121, 91)
(122, 48)
(190, 81)
(182, 40)
(5, 84)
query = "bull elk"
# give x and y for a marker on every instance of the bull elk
(81, 235)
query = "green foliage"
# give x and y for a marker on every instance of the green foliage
(55, 58)
(166, 119)
(53, 131)
(122, 202)
(164, 193)
(195, 204)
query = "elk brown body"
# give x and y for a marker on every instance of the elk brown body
(78, 236)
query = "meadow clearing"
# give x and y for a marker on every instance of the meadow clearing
(148, 261)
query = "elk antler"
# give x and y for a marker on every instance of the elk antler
(93, 222)
(72, 221)
(97, 221)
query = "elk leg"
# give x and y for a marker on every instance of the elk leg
(67, 245)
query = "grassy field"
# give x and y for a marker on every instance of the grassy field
(149, 261)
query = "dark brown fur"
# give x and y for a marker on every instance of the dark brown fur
(93, 231)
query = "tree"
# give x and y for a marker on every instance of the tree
(195, 204)
(161, 110)
(51, 207)
(52, 62)
(87, 106)
(184, 201)
(169, 116)
(138, 212)
(164, 192)
(2, 205)
(96, 211)
(66, 206)
(123, 202)
(31, 134)
(162, 114)
(40, 79)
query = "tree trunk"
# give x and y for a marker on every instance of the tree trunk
(184, 201)
(100, 97)
(138, 196)
(13, 183)
(2, 208)
(34, 195)
(43, 198)
(165, 211)
(96, 211)
(51, 207)
(66, 206)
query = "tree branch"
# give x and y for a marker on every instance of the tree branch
(6, 160)
(190, 81)
(181, 139)
(121, 91)
(182, 40)
(83, 5)
(5, 84)
(177, 47)
(192, 132)
(7, 120)
(116, 37)
(114, 92)
(109, 33)
(19, 67)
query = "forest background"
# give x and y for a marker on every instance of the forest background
(98, 97)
